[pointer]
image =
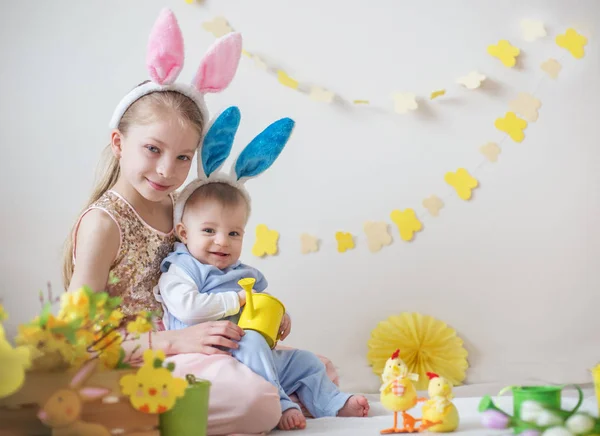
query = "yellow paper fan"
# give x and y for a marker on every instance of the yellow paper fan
(426, 345)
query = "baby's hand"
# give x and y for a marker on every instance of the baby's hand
(242, 295)
(286, 326)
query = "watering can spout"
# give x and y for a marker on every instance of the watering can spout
(247, 284)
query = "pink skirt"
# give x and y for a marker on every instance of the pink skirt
(241, 402)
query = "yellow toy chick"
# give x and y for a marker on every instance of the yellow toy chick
(153, 389)
(398, 394)
(14, 362)
(439, 408)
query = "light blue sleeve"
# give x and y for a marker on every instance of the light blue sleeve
(261, 282)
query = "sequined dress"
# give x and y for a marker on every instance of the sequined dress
(141, 250)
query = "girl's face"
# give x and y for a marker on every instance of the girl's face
(155, 158)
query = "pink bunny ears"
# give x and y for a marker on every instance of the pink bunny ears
(164, 61)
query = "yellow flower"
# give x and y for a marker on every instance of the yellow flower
(426, 345)
(407, 223)
(462, 182)
(115, 318)
(75, 304)
(505, 52)
(109, 348)
(140, 325)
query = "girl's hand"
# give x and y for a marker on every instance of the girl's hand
(286, 326)
(205, 338)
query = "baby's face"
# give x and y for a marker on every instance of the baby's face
(212, 233)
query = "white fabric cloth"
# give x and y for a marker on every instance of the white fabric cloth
(470, 423)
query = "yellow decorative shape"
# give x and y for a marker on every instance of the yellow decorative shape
(14, 362)
(512, 125)
(266, 241)
(3, 314)
(153, 389)
(321, 95)
(425, 343)
(526, 105)
(218, 27)
(246, 53)
(407, 223)
(438, 93)
(377, 235)
(490, 151)
(462, 182)
(572, 41)
(472, 80)
(505, 52)
(433, 204)
(551, 67)
(404, 102)
(532, 30)
(308, 243)
(345, 241)
(360, 101)
(286, 80)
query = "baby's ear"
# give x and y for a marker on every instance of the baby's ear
(181, 232)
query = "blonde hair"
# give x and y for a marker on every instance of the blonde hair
(223, 193)
(144, 111)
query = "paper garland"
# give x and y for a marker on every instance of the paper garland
(526, 105)
(532, 30)
(463, 183)
(266, 241)
(572, 41)
(345, 241)
(377, 235)
(552, 67)
(505, 52)
(309, 243)
(404, 102)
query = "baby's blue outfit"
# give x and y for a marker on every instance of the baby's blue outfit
(291, 371)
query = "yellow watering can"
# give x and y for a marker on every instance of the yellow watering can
(262, 313)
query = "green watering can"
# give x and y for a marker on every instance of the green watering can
(549, 397)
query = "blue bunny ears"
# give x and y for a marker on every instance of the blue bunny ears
(256, 158)
(258, 155)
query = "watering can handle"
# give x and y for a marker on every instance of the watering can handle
(579, 402)
(506, 389)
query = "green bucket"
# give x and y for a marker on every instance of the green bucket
(189, 416)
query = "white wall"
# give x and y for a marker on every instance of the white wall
(513, 271)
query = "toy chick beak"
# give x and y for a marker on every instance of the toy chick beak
(152, 391)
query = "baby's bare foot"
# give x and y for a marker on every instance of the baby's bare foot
(357, 405)
(292, 419)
